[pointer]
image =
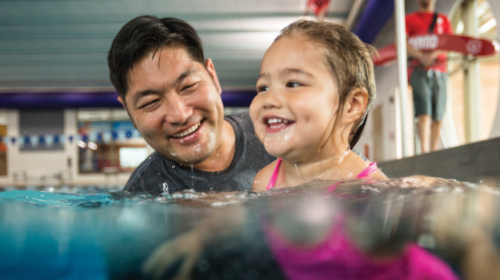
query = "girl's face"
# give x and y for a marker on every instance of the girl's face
(297, 99)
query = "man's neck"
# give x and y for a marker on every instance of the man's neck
(426, 9)
(223, 155)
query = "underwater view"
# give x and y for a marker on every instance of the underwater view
(409, 228)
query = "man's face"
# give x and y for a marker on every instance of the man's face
(175, 104)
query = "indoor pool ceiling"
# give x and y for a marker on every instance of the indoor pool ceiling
(62, 44)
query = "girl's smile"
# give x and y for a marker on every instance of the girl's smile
(276, 124)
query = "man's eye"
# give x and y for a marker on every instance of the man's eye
(262, 88)
(293, 84)
(149, 104)
(191, 86)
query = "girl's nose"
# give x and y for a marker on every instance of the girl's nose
(272, 99)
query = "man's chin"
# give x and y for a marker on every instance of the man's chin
(186, 159)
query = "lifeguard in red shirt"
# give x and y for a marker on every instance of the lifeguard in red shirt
(427, 73)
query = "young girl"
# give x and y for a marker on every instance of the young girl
(314, 91)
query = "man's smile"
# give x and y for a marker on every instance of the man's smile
(187, 131)
(189, 134)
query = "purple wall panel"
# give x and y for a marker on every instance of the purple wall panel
(372, 20)
(66, 100)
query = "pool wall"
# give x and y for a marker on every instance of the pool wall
(472, 163)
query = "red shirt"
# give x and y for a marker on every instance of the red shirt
(418, 24)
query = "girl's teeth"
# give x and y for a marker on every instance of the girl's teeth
(187, 132)
(276, 120)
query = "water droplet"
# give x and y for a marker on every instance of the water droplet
(158, 174)
(182, 141)
(173, 166)
(174, 154)
(217, 154)
(297, 171)
(197, 148)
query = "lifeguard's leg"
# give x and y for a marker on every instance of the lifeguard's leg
(439, 95)
(435, 133)
(423, 105)
(423, 132)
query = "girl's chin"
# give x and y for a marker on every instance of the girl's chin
(276, 152)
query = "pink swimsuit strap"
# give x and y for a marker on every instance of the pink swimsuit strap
(276, 171)
(363, 174)
(372, 168)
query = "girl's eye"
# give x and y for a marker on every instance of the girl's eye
(293, 84)
(262, 88)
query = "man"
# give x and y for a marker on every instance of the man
(173, 97)
(427, 72)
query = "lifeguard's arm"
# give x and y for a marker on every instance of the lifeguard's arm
(426, 58)
(412, 52)
(263, 176)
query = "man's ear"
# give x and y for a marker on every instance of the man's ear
(355, 105)
(120, 99)
(211, 71)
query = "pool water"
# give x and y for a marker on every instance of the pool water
(106, 234)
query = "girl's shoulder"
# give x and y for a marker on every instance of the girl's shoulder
(263, 176)
(361, 164)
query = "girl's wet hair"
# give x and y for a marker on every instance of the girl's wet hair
(349, 59)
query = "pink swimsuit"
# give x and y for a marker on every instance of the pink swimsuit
(365, 173)
(336, 257)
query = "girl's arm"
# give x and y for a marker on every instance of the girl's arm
(378, 175)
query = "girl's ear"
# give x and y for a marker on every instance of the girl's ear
(355, 105)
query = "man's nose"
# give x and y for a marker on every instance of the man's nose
(177, 111)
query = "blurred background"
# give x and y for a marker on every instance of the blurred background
(60, 122)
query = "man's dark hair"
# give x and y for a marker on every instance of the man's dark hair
(143, 35)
